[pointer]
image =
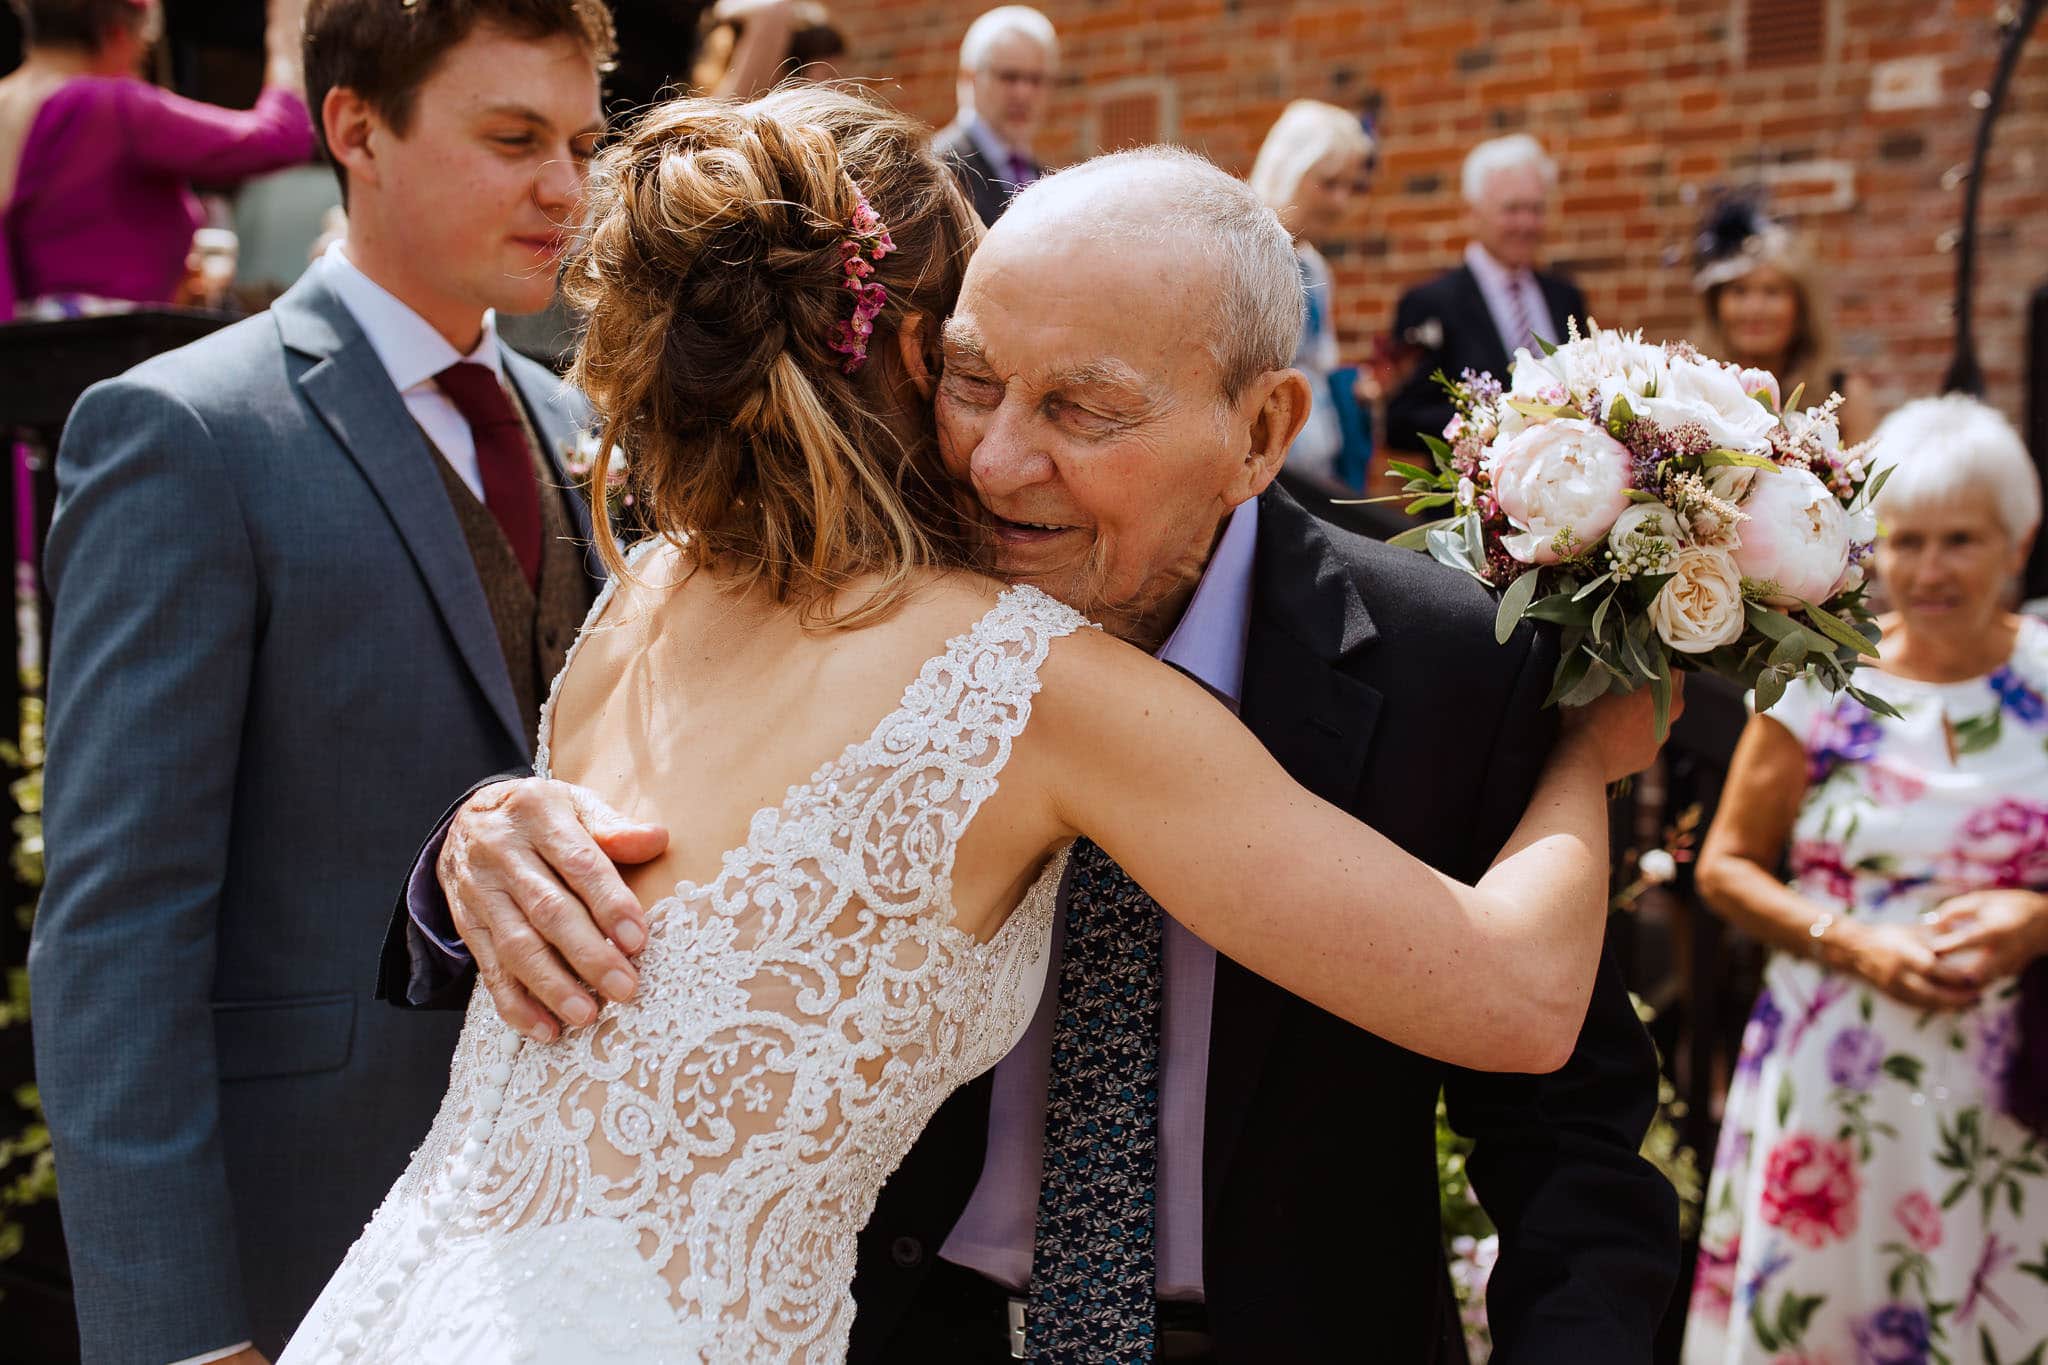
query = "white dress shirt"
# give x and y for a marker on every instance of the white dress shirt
(413, 353)
(1500, 287)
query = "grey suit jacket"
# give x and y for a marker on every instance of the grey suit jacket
(271, 667)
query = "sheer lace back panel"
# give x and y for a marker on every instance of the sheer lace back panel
(799, 1019)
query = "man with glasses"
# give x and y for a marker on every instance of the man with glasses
(1007, 62)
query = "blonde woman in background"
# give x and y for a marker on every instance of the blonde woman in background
(1315, 163)
(1763, 306)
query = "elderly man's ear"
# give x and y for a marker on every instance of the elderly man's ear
(917, 347)
(1271, 414)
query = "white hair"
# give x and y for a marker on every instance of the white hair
(1504, 154)
(1007, 21)
(1306, 132)
(1939, 447)
(1250, 254)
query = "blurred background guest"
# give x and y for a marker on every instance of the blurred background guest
(1762, 307)
(1869, 1173)
(1007, 63)
(1315, 163)
(1476, 316)
(748, 46)
(96, 204)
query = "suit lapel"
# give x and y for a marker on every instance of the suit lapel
(350, 389)
(1479, 323)
(1307, 618)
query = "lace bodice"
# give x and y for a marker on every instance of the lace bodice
(685, 1178)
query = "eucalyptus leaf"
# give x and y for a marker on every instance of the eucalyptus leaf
(1790, 651)
(1438, 448)
(1590, 588)
(1660, 693)
(1417, 537)
(1792, 403)
(1549, 349)
(1412, 471)
(1560, 608)
(1571, 671)
(1838, 630)
(1600, 613)
(1597, 682)
(1876, 705)
(1649, 585)
(1775, 624)
(1770, 686)
(1429, 503)
(1717, 459)
(1876, 485)
(1513, 603)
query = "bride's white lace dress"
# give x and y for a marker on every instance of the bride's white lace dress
(684, 1180)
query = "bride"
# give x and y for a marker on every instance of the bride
(858, 919)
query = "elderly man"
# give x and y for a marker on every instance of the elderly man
(1007, 61)
(1293, 1211)
(1476, 316)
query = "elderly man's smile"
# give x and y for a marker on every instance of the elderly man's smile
(1018, 533)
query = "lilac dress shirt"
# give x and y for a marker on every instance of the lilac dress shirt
(102, 203)
(994, 1236)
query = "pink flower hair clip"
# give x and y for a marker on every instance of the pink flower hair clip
(866, 242)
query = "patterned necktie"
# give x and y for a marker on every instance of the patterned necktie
(1092, 1268)
(503, 457)
(1518, 315)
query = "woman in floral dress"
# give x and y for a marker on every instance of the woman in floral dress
(1873, 1202)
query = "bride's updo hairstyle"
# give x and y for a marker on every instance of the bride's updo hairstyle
(715, 278)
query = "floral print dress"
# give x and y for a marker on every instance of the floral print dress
(1871, 1202)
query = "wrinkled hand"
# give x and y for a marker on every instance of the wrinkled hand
(1985, 936)
(529, 871)
(1624, 727)
(1899, 959)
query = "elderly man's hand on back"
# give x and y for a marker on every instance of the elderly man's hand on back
(530, 869)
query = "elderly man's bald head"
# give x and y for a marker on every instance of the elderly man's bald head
(1239, 261)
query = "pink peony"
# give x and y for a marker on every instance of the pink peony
(1921, 1219)
(1557, 477)
(1796, 539)
(1757, 382)
(1811, 1188)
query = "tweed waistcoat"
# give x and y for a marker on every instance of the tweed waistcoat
(535, 625)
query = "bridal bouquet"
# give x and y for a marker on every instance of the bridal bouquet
(1665, 509)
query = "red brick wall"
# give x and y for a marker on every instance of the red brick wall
(1646, 104)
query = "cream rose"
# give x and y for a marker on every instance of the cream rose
(1565, 475)
(1700, 609)
(1796, 539)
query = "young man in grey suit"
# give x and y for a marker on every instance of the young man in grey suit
(312, 574)
(1007, 63)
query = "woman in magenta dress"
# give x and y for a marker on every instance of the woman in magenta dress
(96, 202)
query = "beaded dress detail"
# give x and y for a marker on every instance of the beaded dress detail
(685, 1179)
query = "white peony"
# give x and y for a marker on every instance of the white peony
(1796, 540)
(1700, 609)
(1709, 394)
(1649, 518)
(1565, 475)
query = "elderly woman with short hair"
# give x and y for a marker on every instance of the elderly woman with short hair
(1315, 162)
(1874, 1198)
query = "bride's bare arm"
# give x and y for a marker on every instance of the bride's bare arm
(1494, 977)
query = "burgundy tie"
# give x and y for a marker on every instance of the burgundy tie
(1020, 171)
(502, 457)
